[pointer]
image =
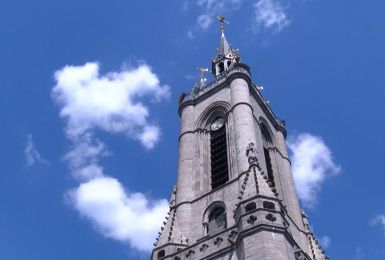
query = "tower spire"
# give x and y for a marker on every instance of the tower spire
(224, 46)
(225, 54)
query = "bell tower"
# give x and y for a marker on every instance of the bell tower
(235, 196)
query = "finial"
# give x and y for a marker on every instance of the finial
(222, 20)
(202, 79)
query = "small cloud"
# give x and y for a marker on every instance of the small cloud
(185, 6)
(204, 21)
(359, 254)
(209, 9)
(379, 220)
(191, 77)
(269, 14)
(117, 214)
(32, 155)
(190, 34)
(325, 242)
(312, 164)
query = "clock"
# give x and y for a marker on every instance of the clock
(217, 124)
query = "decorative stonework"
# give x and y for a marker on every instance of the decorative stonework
(232, 236)
(218, 240)
(271, 217)
(251, 219)
(190, 253)
(251, 153)
(203, 247)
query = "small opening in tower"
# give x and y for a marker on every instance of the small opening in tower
(228, 63)
(161, 254)
(250, 206)
(221, 67)
(268, 205)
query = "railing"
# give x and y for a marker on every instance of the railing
(200, 90)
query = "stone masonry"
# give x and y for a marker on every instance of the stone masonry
(263, 219)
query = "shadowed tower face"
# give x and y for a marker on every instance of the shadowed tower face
(235, 196)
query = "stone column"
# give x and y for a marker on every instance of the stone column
(289, 190)
(244, 128)
(185, 171)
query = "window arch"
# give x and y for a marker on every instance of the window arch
(217, 220)
(218, 153)
(267, 142)
(266, 137)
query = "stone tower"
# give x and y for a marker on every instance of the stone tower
(235, 196)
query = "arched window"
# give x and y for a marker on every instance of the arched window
(218, 153)
(266, 138)
(217, 221)
(267, 142)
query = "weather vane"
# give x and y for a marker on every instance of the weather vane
(222, 20)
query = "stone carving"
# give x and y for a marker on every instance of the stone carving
(251, 219)
(271, 217)
(173, 196)
(251, 154)
(190, 252)
(203, 247)
(218, 241)
(232, 236)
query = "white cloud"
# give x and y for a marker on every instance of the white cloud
(204, 21)
(209, 9)
(270, 14)
(325, 242)
(31, 154)
(109, 102)
(114, 103)
(117, 214)
(190, 34)
(312, 164)
(86, 149)
(379, 220)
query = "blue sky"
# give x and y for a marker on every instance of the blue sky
(90, 126)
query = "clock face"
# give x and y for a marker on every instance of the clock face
(217, 124)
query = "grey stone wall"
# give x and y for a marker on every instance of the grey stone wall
(261, 233)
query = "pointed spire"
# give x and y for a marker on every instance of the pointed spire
(225, 54)
(224, 46)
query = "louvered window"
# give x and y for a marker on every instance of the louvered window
(219, 167)
(267, 142)
(269, 168)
